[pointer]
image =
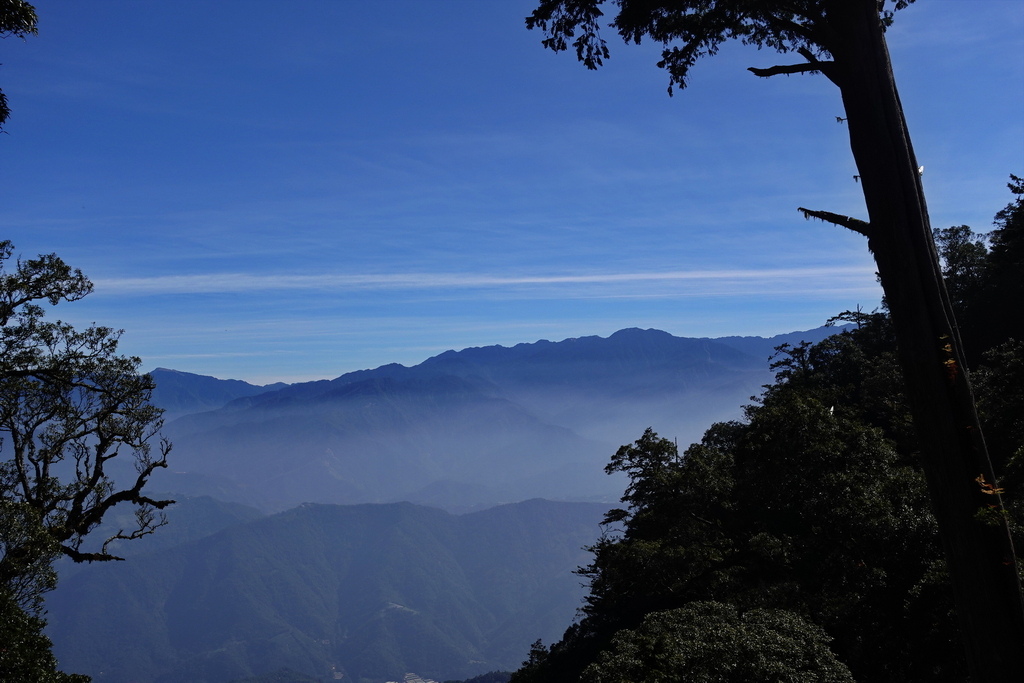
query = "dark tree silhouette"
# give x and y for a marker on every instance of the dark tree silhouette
(69, 405)
(845, 41)
(17, 18)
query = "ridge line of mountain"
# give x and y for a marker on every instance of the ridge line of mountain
(165, 377)
(463, 428)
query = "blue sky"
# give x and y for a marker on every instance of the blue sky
(289, 191)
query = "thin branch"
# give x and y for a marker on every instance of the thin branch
(808, 55)
(805, 31)
(855, 224)
(148, 522)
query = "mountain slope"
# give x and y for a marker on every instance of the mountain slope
(469, 428)
(372, 591)
(180, 393)
(382, 440)
(764, 347)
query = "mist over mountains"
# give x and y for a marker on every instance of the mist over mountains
(389, 520)
(368, 591)
(181, 393)
(461, 430)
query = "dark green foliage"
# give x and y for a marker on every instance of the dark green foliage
(25, 655)
(985, 273)
(1000, 385)
(688, 29)
(963, 264)
(812, 506)
(17, 18)
(69, 406)
(713, 642)
(815, 505)
(26, 580)
(839, 530)
(1004, 286)
(844, 40)
(983, 277)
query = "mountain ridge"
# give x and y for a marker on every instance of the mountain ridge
(371, 590)
(391, 580)
(757, 347)
(463, 429)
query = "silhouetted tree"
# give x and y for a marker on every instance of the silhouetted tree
(845, 41)
(69, 405)
(25, 655)
(815, 505)
(17, 18)
(1001, 301)
(710, 641)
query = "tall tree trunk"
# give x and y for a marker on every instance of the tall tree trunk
(979, 554)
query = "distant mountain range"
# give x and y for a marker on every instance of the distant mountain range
(181, 393)
(376, 588)
(367, 591)
(461, 430)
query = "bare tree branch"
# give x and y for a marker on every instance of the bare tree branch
(855, 224)
(815, 68)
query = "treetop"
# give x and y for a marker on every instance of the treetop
(692, 29)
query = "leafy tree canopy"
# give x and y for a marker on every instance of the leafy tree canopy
(815, 505)
(805, 507)
(69, 405)
(17, 18)
(692, 29)
(711, 641)
(25, 655)
(983, 275)
(844, 40)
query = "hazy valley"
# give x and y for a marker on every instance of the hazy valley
(464, 429)
(349, 526)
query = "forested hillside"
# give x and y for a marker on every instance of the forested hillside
(799, 542)
(369, 591)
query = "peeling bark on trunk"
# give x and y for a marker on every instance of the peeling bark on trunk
(953, 454)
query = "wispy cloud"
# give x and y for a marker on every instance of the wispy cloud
(247, 282)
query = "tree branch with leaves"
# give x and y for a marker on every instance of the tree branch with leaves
(845, 41)
(17, 18)
(69, 406)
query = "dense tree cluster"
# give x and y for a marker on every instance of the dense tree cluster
(69, 404)
(844, 40)
(983, 274)
(809, 521)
